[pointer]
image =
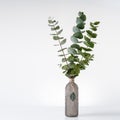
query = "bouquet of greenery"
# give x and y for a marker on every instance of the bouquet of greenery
(79, 54)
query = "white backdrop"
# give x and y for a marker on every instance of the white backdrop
(28, 60)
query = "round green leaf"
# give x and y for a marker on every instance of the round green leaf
(82, 16)
(74, 39)
(76, 29)
(81, 25)
(76, 46)
(78, 20)
(72, 51)
(80, 13)
(78, 35)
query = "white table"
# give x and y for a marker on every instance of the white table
(55, 113)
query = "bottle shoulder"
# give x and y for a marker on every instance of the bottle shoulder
(71, 84)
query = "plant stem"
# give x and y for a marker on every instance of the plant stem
(63, 52)
(62, 49)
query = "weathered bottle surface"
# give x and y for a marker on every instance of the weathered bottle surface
(71, 99)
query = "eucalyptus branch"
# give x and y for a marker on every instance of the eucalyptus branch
(52, 24)
(80, 51)
(62, 50)
(63, 53)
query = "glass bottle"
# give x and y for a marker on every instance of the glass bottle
(71, 99)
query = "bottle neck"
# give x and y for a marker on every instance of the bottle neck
(71, 80)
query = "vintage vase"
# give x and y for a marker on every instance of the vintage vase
(71, 99)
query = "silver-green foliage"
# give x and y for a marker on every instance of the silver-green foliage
(79, 54)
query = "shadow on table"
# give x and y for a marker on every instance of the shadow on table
(72, 118)
(101, 114)
(92, 115)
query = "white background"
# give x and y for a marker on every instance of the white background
(29, 73)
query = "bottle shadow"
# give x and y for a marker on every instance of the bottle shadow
(87, 115)
(72, 118)
(101, 114)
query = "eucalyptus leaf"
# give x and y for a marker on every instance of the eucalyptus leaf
(82, 65)
(57, 37)
(64, 71)
(86, 49)
(91, 57)
(70, 58)
(76, 29)
(73, 71)
(73, 58)
(76, 46)
(80, 13)
(92, 25)
(78, 35)
(55, 28)
(59, 32)
(86, 62)
(74, 39)
(86, 38)
(86, 55)
(65, 67)
(89, 44)
(51, 21)
(94, 28)
(91, 34)
(51, 25)
(83, 17)
(81, 25)
(62, 49)
(63, 42)
(94, 35)
(80, 53)
(56, 23)
(78, 20)
(53, 34)
(96, 23)
(61, 55)
(72, 51)
(71, 65)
